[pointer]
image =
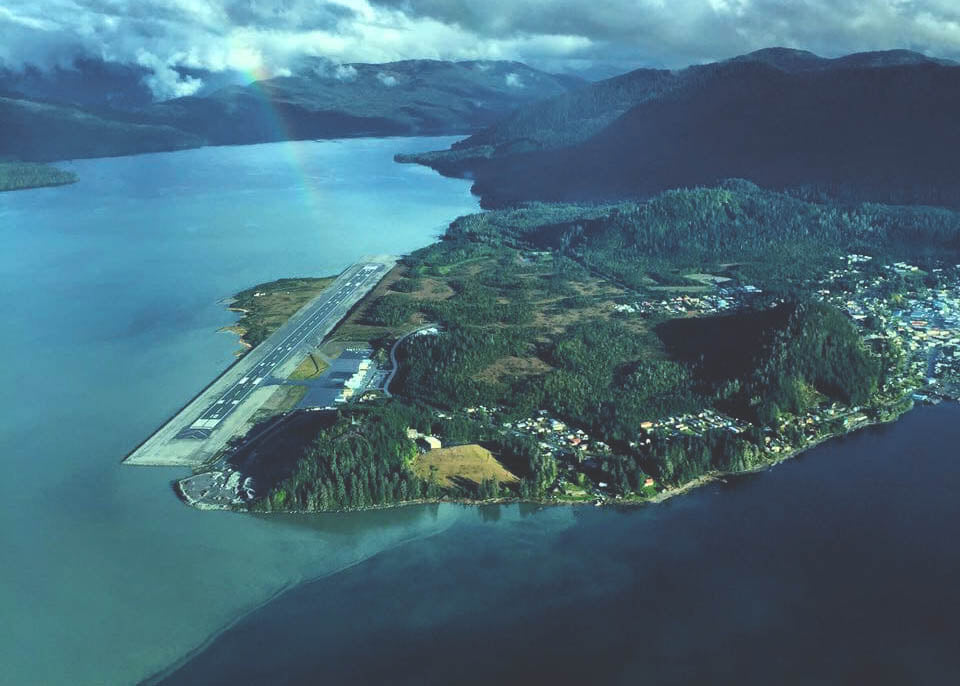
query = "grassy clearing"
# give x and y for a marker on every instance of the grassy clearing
(284, 399)
(510, 368)
(268, 306)
(311, 367)
(356, 327)
(472, 463)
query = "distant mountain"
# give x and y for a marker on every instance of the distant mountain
(86, 83)
(787, 59)
(867, 126)
(42, 132)
(400, 98)
(98, 109)
(98, 84)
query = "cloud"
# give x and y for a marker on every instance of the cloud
(387, 80)
(345, 72)
(513, 80)
(273, 37)
(164, 81)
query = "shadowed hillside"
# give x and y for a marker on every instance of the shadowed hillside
(874, 126)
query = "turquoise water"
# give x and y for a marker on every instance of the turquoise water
(839, 567)
(110, 291)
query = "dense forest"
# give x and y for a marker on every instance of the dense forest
(21, 175)
(780, 238)
(364, 460)
(858, 129)
(525, 285)
(782, 359)
(361, 461)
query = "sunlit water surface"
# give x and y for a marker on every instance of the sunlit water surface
(111, 291)
(839, 567)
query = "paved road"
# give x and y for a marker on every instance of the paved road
(393, 355)
(308, 332)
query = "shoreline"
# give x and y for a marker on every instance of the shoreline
(661, 497)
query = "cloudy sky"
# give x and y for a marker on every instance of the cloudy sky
(268, 37)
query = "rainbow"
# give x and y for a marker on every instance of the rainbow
(295, 152)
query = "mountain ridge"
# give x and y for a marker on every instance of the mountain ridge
(411, 97)
(867, 126)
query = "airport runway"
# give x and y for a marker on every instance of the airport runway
(226, 407)
(308, 334)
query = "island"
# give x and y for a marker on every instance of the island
(604, 353)
(16, 176)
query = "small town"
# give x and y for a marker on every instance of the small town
(921, 322)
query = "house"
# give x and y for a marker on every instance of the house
(430, 443)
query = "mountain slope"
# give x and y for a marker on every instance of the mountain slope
(42, 132)
(399, 98)
(878, 125)
(321, 101)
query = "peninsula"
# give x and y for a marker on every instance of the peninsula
(229, 406)
(18, 176)
(608, 354)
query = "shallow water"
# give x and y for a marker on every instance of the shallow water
(110, 290)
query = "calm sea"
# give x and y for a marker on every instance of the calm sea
(836, 568)
(110, 293)
(839, 567)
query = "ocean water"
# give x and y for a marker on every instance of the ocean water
(110, 291)
(838, 567)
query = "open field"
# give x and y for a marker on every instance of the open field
(357, 327)
(284, 399)
(267, 306)
(467, 462)
(312, 367)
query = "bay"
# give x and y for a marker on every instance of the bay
(838, 567)
(112, 292)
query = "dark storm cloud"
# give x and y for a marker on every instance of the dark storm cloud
(273, 36)
(678, 32)
(287, 14)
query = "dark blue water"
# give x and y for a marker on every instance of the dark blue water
(839, 567)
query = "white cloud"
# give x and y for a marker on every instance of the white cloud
(513, 80)
(165, 82)
(270, 37)
(345, 72)
(388, 80)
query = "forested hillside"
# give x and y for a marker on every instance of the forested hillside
(20, 175)
(43, 132)
(777, 237)
(877, 126)
(413, 97)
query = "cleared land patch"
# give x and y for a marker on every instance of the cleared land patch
(266, 307)
(464, 462)
(511, 368)
(311, 367)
